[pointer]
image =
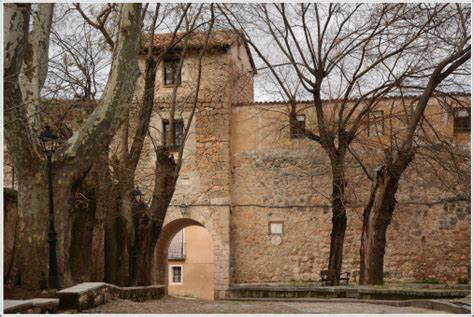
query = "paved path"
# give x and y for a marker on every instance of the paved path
(175, 305)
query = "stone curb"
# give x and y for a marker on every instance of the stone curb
(34, 305)
(420, 303)
(88, 295)
(263, 291)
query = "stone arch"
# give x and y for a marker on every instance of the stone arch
(174, 222)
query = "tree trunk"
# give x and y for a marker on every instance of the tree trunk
(75, 156)
(116, 244)
(82, 229)
(31, 258)
(148, 234)
(377, 216)
(104, 204)
(339, 217)
(150, 229)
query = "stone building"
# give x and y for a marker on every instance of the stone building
(261, 193)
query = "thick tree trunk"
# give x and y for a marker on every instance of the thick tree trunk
(148, 234)
(116, 244)
(377, 216)
(339, 217)
(31, 244)
(150, 229)
(82, 226)
(31, 258)
(104, 204)
(75, 157)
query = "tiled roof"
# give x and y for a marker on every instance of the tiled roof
(281, 102)
(218, 39)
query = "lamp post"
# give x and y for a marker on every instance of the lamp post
(183, 208)
(49, 143)
(137, 197)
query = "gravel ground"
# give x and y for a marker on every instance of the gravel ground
(179, 305)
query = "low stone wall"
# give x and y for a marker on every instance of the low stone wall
(138, 293)
(288, 291)
(87, 295)
(31, 306)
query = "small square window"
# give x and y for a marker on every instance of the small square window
(297, 128)
(376, 123)
(171, 74)
(462, 120)
(275, 227)
(176, 274)
(178, 136)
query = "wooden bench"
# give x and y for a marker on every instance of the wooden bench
(328, 277)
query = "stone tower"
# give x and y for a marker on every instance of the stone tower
(204, 183)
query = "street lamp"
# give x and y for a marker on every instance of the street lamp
(183, 208)
(137, 194)
(137, 197)
(49, 143)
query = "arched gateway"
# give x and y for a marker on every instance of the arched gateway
(218, 228)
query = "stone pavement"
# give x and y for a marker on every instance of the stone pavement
(179, 305)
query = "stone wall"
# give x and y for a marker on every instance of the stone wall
(204, 180)
(424, 243)
(275, 178)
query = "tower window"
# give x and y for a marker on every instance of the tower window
(178, 133)
(171, 73)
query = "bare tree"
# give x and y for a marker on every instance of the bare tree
(168, 166)
(454, 50)
(354, 54)
(76, 156)
(132, 229)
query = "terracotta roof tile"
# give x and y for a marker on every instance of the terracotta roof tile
(282, 102)
(217, 39)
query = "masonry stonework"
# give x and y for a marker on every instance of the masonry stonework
(241, 171)
(279, 179)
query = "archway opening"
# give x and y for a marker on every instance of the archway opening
(184, 259)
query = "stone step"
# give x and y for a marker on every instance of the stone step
(280, 291)
(34, 306)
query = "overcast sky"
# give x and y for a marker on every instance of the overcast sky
(87, 43)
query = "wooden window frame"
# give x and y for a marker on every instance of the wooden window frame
(461, 128)
(164, 123)
(176, 76)
(171, 278)
(294, 133)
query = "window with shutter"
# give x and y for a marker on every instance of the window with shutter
(462, 120)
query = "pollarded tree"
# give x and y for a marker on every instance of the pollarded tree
(446, 52)
(25, 67)
(352, 53)
(131, 229)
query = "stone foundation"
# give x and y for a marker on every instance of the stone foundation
(87, 295)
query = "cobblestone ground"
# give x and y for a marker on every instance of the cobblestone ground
(175, 305)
